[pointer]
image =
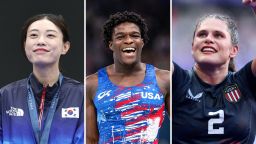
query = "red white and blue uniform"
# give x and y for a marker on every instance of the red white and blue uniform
(129, 114)
(214, 114)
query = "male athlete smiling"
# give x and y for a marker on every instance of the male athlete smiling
(125, 101)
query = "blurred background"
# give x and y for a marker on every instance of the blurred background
(13, 14)
(157, 16)
(185, 15)
(156, 52)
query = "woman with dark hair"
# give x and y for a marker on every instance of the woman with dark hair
(212, 103)
(46, 107)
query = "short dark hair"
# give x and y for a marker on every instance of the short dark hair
(58, 20)
(121, 17)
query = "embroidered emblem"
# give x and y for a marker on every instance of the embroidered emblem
(232, 93)
(71, 112)
(15, 112)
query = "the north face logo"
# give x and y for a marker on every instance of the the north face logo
(15, 112)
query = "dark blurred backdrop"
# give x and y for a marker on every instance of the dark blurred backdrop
(13, 14)
(157, 16)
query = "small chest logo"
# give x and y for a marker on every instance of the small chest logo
(70, 112)
(15, 112)
(192, 97)
(103, 94)
(232, 93)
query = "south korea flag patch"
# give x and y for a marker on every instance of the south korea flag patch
(71, 112)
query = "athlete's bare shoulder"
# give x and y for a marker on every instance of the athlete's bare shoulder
(163, 75)
(91, 85)
(91, 115)
(163, 79)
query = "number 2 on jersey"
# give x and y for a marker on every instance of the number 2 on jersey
(213, 121)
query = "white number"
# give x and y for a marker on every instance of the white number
(213, 121)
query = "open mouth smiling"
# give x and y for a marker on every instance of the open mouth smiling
(128, 50)
(208, 49)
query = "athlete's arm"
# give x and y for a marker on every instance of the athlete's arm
(253, 5)
(254, 67)
(163, 80)
(172, 67)
(92, 134)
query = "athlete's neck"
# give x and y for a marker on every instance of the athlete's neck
(211, 75)
(47, 76)
(127, 69)
(126, 76)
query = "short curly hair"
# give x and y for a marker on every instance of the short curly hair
(121, 17)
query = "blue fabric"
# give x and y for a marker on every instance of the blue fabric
(129, 114)
(15, 121)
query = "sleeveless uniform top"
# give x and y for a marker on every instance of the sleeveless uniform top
(129, 114)
(219, 114)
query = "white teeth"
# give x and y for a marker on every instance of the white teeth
(208, 49)
(128, 49)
